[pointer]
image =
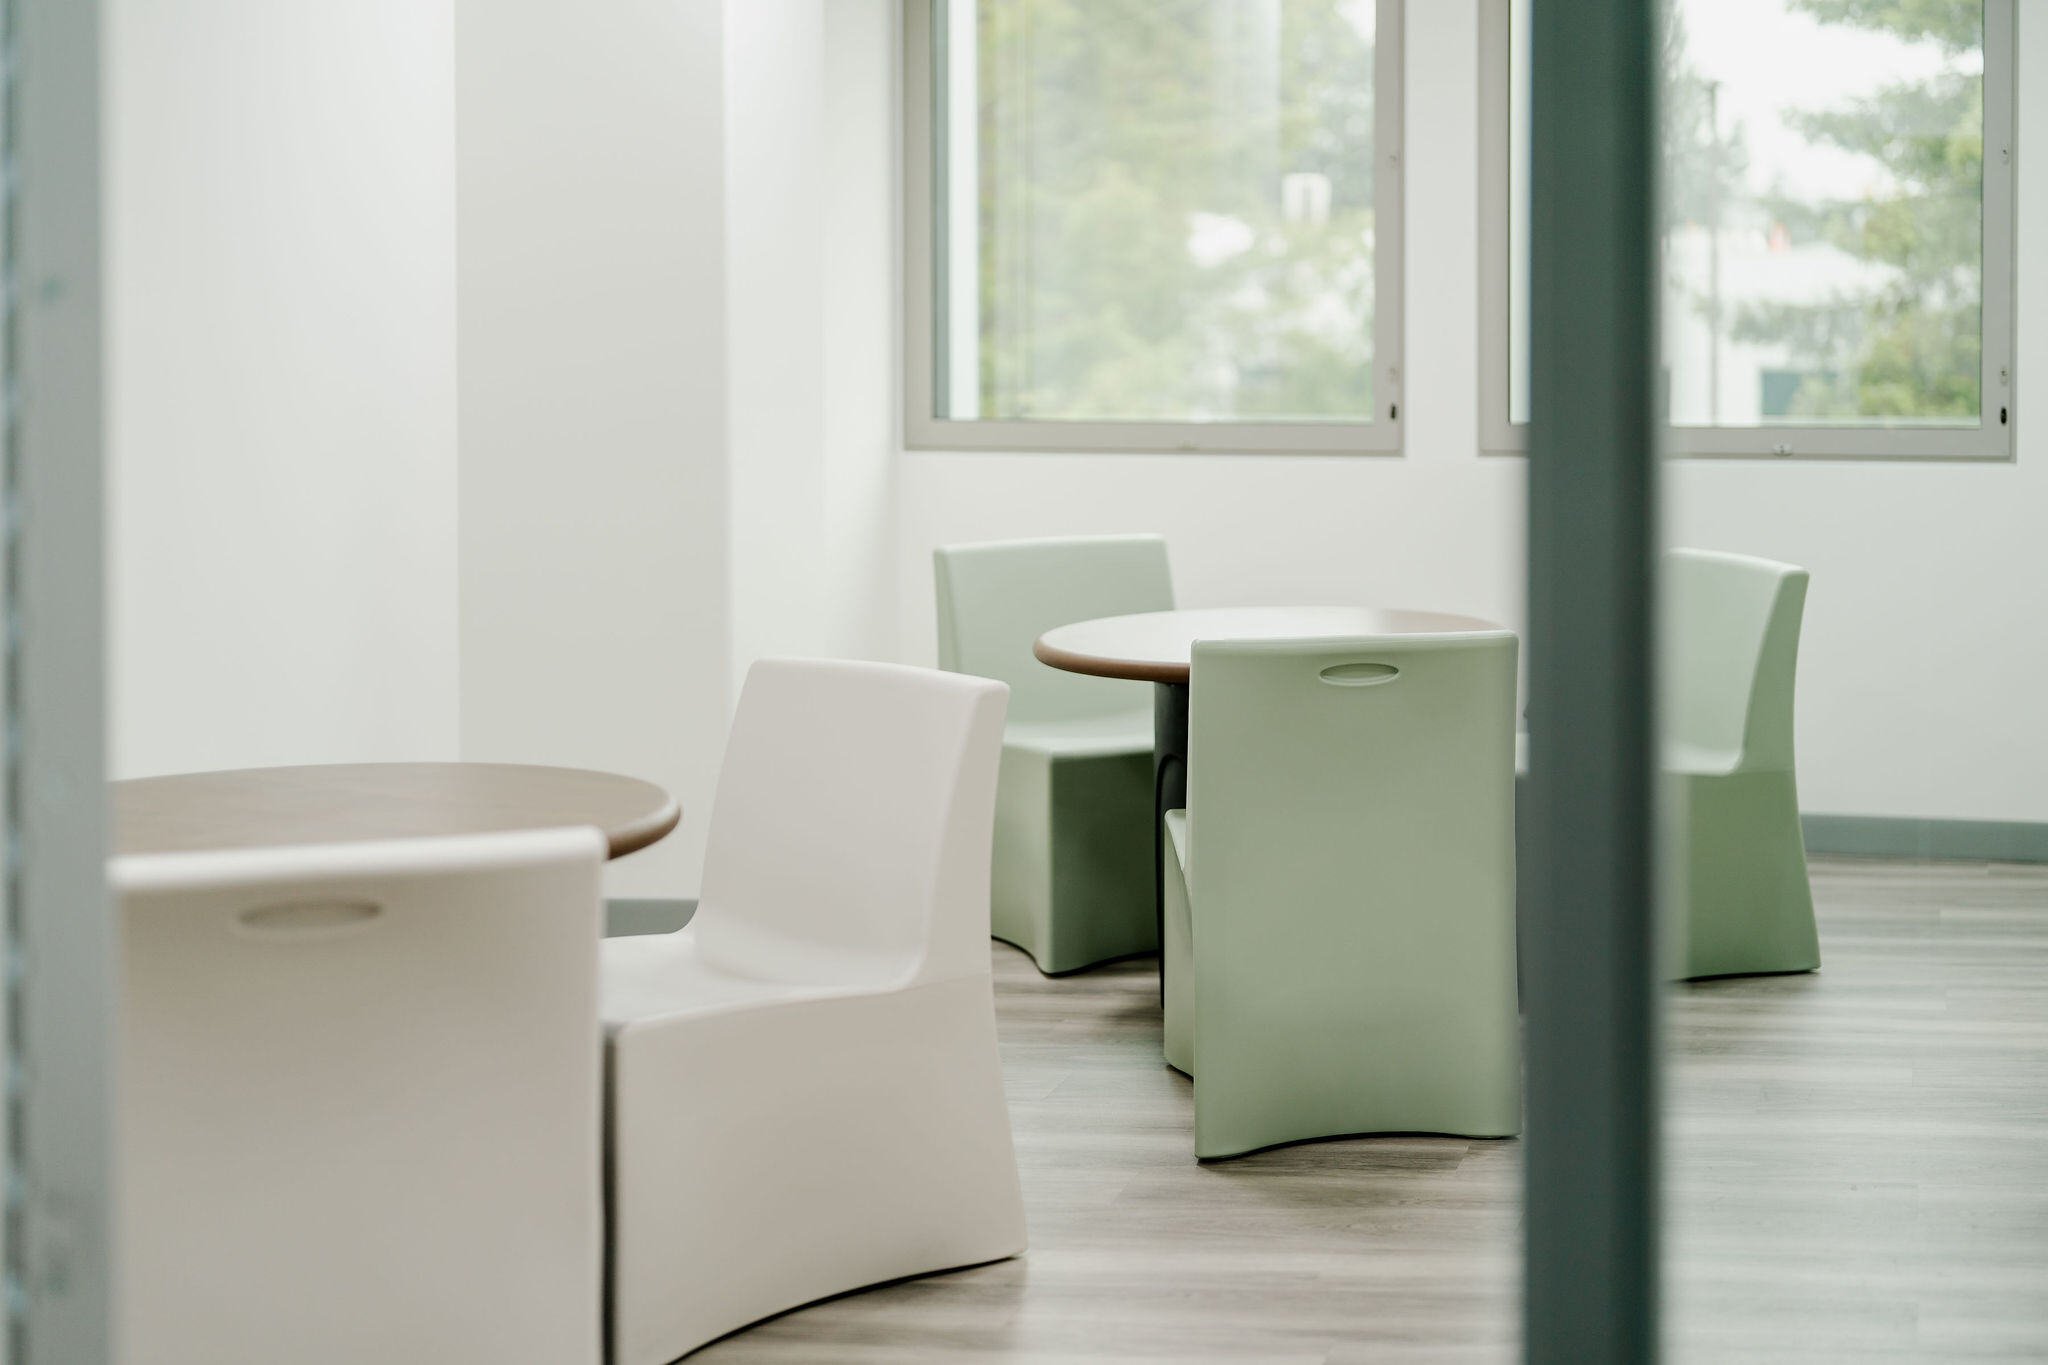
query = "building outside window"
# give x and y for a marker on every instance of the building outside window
(1836, 216)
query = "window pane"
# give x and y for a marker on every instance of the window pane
(1156, 210)
(1823, 213)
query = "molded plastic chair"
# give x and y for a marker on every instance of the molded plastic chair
(360, 1103)
(1074, 840)
(1340, 934)
(1731, 656)
(805, 1097)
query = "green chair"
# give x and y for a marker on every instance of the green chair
(1072, 873)
(1731, 651)
(1340, 919)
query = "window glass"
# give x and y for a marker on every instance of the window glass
(1156, 210)
(1823, 213)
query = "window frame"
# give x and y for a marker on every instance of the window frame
(1998, 413)
(924, 249)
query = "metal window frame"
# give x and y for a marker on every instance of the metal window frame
(1989, 441)
(923, 144)
(60, 912)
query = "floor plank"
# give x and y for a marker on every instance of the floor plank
(1857, 1168)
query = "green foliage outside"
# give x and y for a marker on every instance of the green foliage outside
(1704, 165)
(1114, 134)
(1909, 347)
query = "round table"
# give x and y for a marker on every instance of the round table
(354, 802)
(1158, 647)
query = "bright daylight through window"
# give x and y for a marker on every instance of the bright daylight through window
(1836, 220)
(1154, 224)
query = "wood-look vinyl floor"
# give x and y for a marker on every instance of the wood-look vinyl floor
(1856, 1169)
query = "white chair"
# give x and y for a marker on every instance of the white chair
(360, 1097)
(804, 1091)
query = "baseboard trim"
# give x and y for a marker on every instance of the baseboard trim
(624, 918)
(1893, 836)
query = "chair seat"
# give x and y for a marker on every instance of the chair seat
(648, 977)
(1084, 737)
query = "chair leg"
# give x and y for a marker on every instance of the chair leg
(1748, 906)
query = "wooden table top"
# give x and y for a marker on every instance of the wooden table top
(354, 802)
(1159, 646)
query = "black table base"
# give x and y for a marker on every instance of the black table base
(1169, 792)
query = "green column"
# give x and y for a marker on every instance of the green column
(1590, 997)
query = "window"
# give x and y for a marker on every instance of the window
(1153, 225)
(1837, 226)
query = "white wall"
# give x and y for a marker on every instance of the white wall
(596, 621)
(297, 576)
(280, 237)
(667, 471)
(774, 127)
(644, 312)
(862, 457)
(811, 355)
(1926, 640)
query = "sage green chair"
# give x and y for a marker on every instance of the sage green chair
(1340, 918)
(1731, 652)
(1072, 875)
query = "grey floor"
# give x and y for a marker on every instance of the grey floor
(1857, 1170)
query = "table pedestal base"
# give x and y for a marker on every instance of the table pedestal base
(1169, 792)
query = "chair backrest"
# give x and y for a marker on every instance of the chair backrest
(360, 1101)
(1730, 656)
(996, 599)
(849, 838)
(1351, 821)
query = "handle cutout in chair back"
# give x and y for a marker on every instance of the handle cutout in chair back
(307, 919)
(1359, 674)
